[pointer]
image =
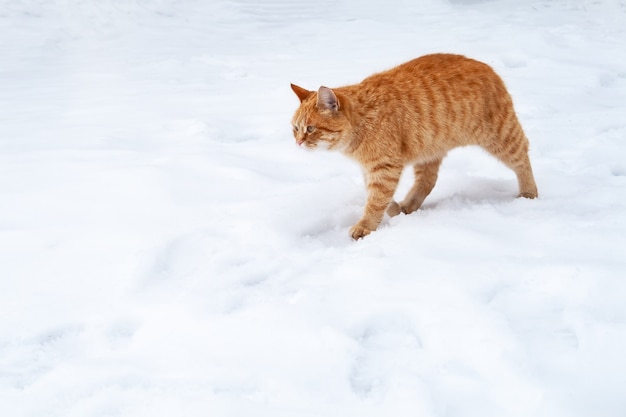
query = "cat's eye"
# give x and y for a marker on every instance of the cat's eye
(310, 129)
(295, 128)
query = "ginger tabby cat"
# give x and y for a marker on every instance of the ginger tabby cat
(414, 114)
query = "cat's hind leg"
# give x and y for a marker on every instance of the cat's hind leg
(425, 179)
(513, 152)
(525, 178)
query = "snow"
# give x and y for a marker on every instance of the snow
(166, 249)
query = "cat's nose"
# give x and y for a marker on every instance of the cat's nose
(299, 142)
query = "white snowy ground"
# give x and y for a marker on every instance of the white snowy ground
(167, 250)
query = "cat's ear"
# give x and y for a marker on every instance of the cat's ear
(327, 100)
(302, 93)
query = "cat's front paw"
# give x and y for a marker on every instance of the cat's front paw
(393, 209)
(360, 230)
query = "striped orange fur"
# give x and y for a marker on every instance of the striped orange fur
(414, 114)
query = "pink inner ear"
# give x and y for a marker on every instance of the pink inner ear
(326, 99)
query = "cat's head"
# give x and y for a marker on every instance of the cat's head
(320, 121)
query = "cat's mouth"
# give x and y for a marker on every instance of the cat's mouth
(304, 144)
(313, 145)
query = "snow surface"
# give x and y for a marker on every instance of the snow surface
(167, 250)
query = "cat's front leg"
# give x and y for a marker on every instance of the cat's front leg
(382, 180)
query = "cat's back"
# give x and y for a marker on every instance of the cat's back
(434, 66)
(444, 64)
(437, 73)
